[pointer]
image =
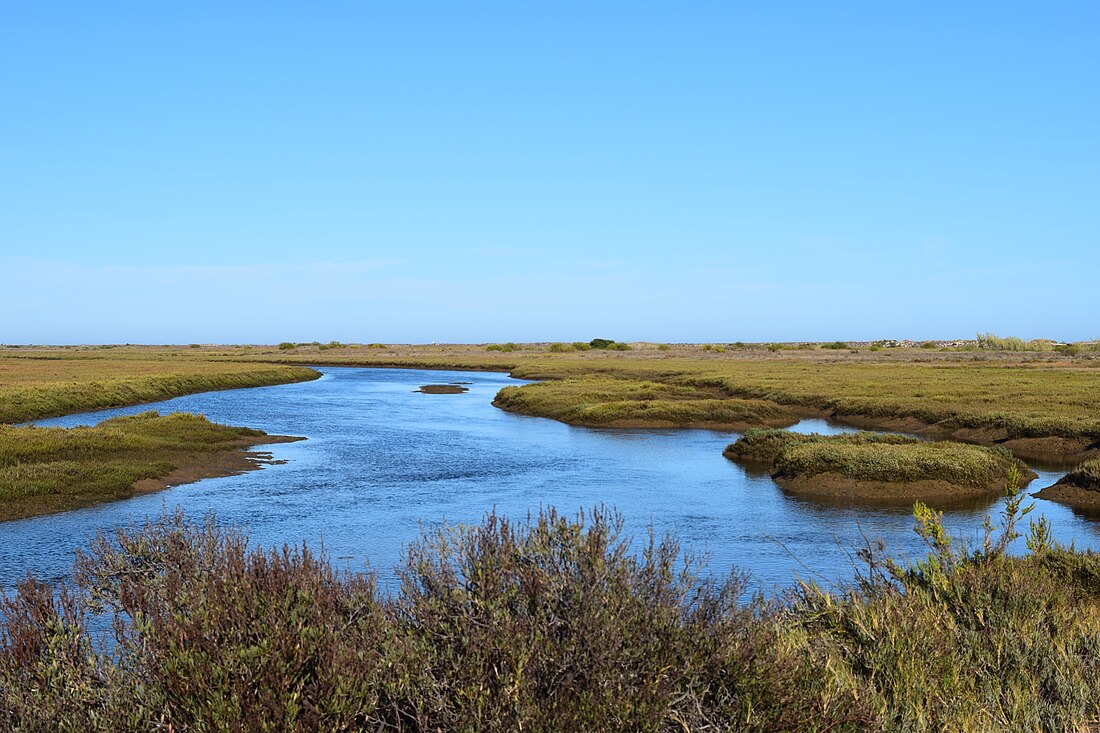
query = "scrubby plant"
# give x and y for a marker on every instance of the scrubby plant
(287, 346)
(600, 343)
(663, 347)
(837, 345)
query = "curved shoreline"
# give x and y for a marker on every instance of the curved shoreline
(236, 457)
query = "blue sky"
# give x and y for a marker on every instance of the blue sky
(416, 172)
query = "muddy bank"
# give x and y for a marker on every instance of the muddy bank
(442, 389)
(835, 486)
(1080, 488)
(229, 460)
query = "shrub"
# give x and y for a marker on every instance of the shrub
(286, 346)
(835, 345)
(663, 347)
(600, 343)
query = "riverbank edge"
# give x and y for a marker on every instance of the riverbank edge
(1056, 451)
(234, 458)
(217, 384)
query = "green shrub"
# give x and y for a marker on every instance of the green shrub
(286, 346)
(552, 624)
(663, 347)
(835, 345)
(600, 343)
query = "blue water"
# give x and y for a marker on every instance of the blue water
(382, 462)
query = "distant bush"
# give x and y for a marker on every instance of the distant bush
(619, 346)
(993, 342)
(195, 346)
(1068, 349)
(835, 345)
(707, 347)
(333, 345)
(928, 345)
(558, 348)
(286, 346)
(581, 346)
(377, 346)
(600, 343)
(510, 346)
(663, 347)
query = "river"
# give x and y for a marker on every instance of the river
(382, 462)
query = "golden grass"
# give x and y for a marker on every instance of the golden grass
(45, 470)
(41, 384)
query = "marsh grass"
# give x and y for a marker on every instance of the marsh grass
(34, 388)
(51, 469)
(596, 401)
(874, 457)
(1084, 476)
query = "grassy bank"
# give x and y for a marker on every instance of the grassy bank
(1039, 404)
(1080, 488)
(870, 466)
(610, 402)
(554, 624)
(35, 385)
(45, 470)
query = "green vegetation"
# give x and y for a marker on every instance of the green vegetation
(508, 347)
(33, 388)
(1036, 401)
(609, 402)
(609, 345)
(877, 458)
(835, 345)
(287, 346)
(52, 469)
(554, 624)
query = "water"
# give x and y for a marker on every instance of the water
(381, 462)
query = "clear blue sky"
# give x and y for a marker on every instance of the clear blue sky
(688, 171)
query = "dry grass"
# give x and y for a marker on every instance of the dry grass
(46, 470)
(38, 384)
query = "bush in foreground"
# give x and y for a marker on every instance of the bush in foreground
(553, 624)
